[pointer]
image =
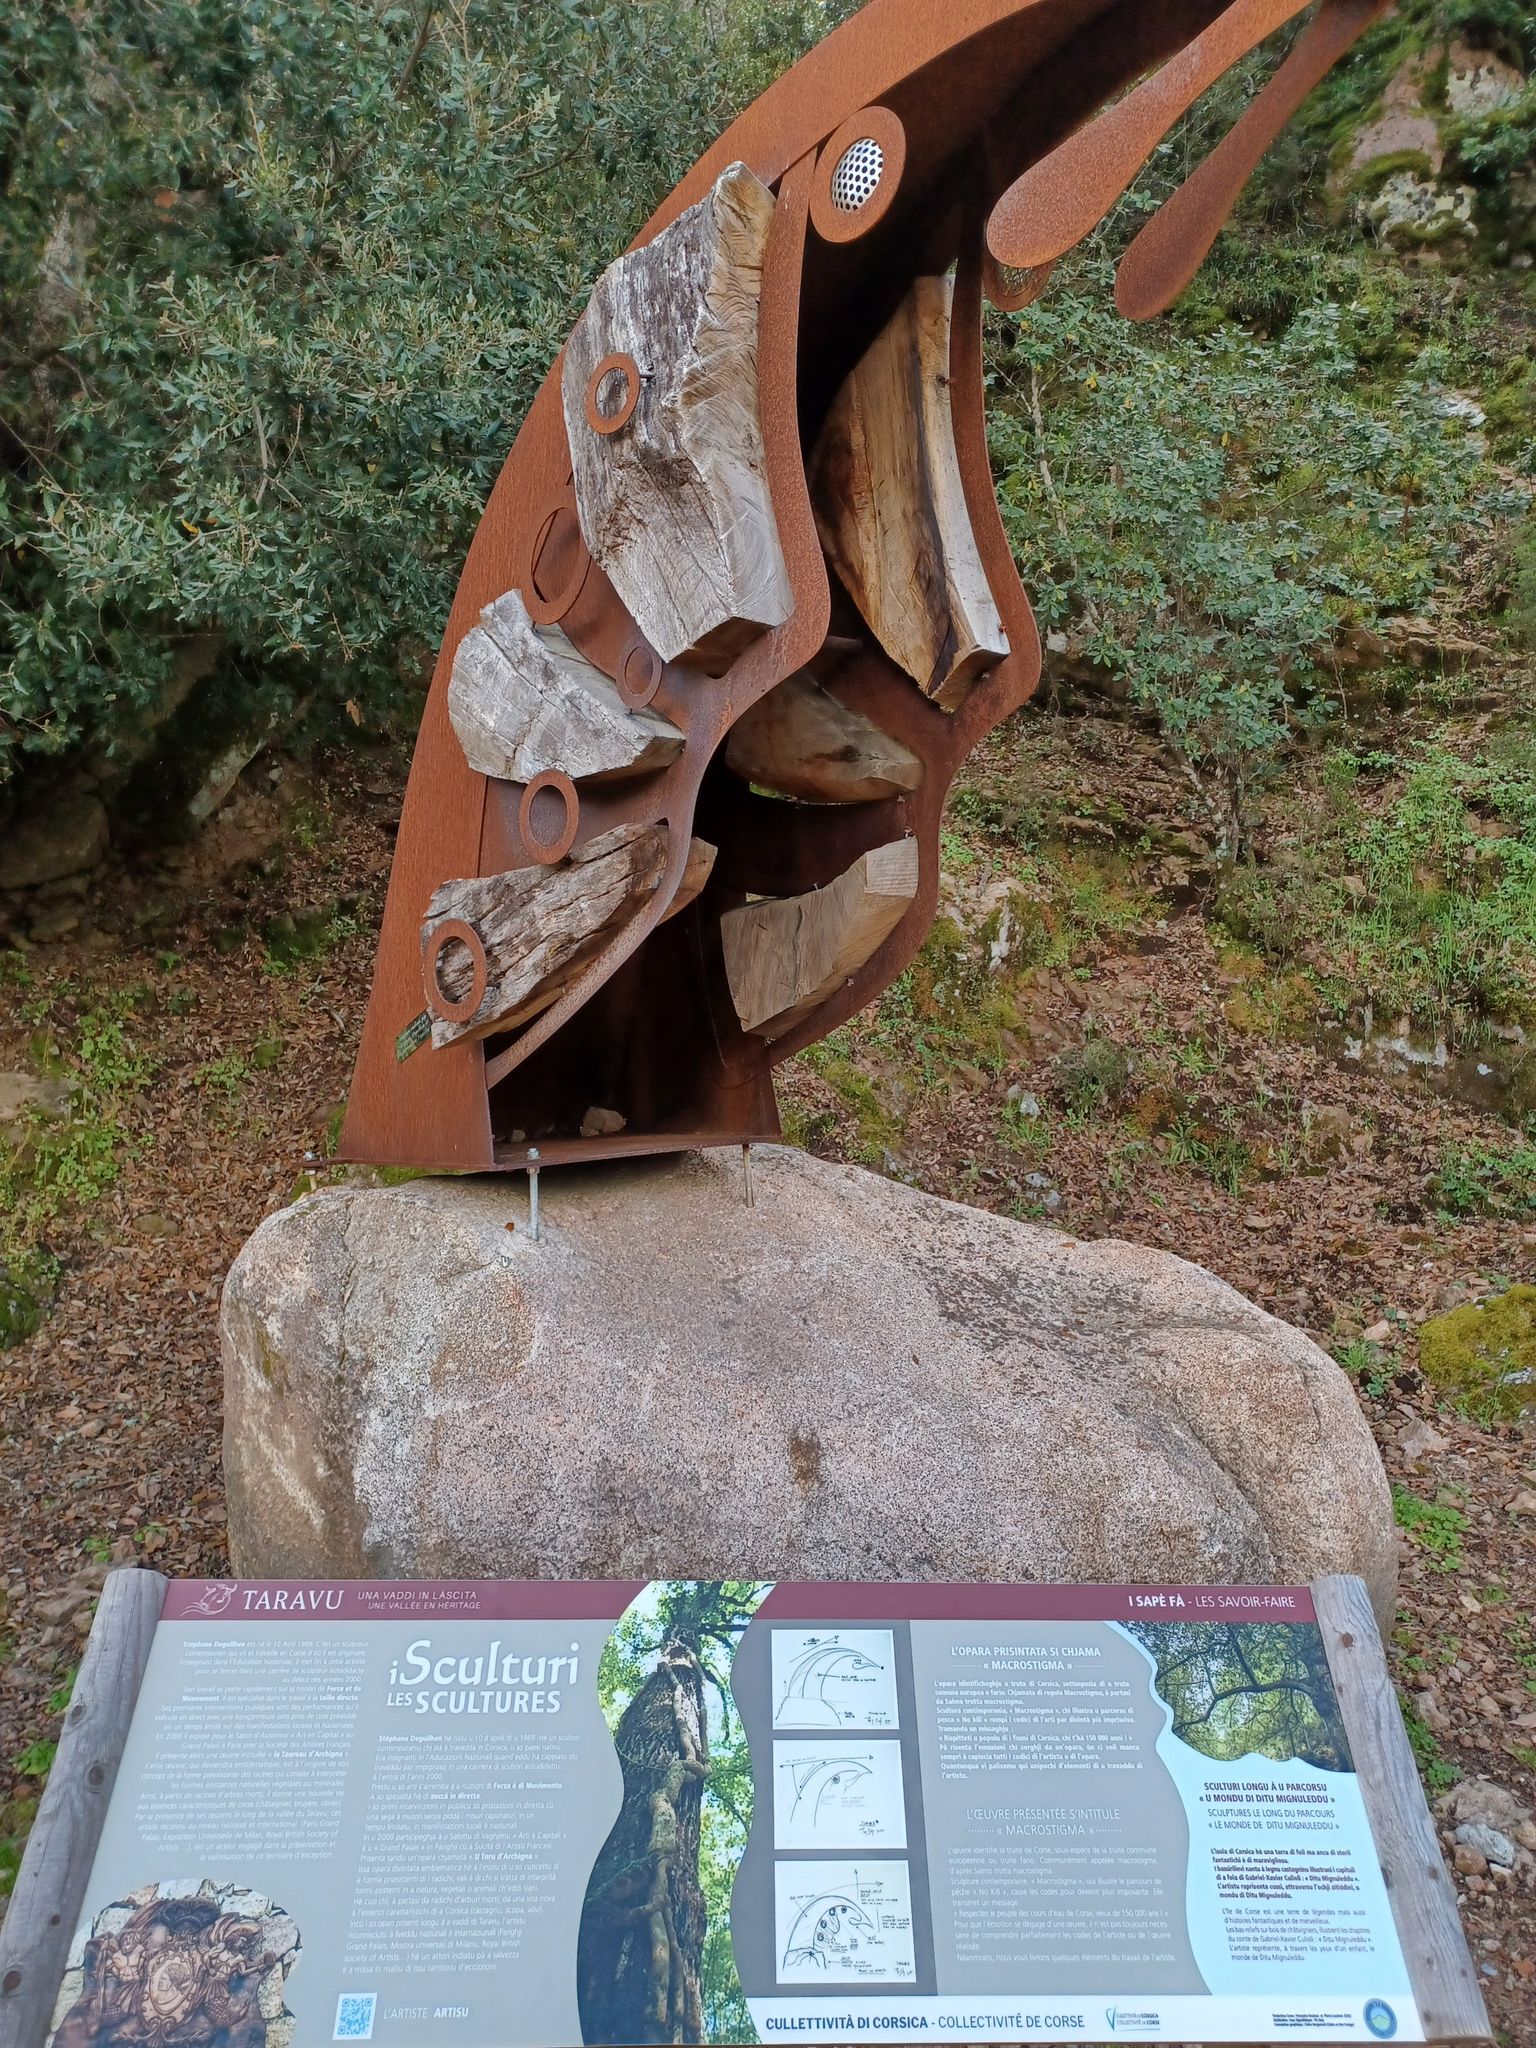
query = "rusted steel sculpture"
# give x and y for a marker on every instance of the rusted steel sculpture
(741, 601)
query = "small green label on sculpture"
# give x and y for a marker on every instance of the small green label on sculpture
(414, 1036)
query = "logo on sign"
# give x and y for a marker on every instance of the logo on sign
(1140, 2022)
(216, 1598)
(1381, 2019)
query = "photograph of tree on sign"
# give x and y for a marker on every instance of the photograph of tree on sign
(1248, 1689)
(654, 1959)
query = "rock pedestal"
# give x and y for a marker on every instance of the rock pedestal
(847, 1380)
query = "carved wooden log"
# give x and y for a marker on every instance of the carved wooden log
(537, 927)
(786, 955)
(801, 741)
(701, 862)
(523, 699)
(890, 504)
(674, 502)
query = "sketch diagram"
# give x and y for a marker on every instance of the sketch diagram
(829, 1795)
(826, 1931)
(824, 1774)
(834, 1678)
(844, 1923)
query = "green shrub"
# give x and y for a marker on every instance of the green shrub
(277, 285)
(1203, 517)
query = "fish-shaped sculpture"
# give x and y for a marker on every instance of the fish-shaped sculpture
(741, 602)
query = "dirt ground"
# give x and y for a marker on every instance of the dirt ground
(1293, 1171)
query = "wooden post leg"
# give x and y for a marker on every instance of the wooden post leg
(50, 1886)
(1423, 1903)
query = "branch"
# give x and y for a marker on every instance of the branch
(1239, 1692)
(402, 84)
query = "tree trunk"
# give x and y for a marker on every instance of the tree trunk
(641, 1944)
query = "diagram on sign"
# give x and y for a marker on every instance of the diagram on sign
(844, 1923)
(829, 1795)
(834, 1678)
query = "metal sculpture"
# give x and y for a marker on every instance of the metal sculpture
(741, 601)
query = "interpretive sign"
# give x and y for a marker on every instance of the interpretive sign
(503, 1813)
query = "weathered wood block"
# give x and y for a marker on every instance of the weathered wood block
(890, 504)
(674, 503)
(802, 741)
(786, 955)
(696, 874)
(522, 699)
(538, 927)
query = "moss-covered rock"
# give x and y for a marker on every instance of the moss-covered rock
(1483, 1356)
(1438, 159)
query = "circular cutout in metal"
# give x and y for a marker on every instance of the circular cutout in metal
(453, 931)
(858, 175)
(557, 561)
(1011, 289)
(547, 791)
(639, 675)
(613, 392)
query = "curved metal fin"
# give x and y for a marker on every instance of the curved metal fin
(1177, 239)
(1057, 201)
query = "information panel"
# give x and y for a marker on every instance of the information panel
(494, 1814)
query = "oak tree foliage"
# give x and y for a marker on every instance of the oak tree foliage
(1241, 1689)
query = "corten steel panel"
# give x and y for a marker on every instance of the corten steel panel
(981, 90)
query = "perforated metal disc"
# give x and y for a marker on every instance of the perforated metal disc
(859, 171)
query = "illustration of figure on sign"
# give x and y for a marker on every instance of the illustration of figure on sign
(194, 1965)
(836, 1678)
(832, 1795)
(844, 1923)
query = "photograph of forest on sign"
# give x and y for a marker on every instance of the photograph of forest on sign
(1248, 1689)
(654, 1958)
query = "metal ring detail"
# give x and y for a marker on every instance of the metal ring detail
(548, 611)
(438, 939)
(547, 851)
(639, 676)
(831, 217)
(623, 366)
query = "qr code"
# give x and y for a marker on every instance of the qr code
(354, 2016)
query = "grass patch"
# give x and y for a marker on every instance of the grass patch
(1479, 1180)
(876, 1130)
(55, 1166)
(1434, 1526)
(1221, 1157)
(1417, 889)
(1367, 1365)
(1436, 1770)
